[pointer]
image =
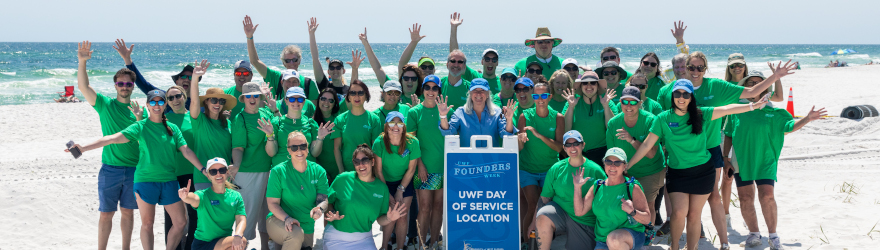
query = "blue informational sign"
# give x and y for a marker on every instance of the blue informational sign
(482, 197)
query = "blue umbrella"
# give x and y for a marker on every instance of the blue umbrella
(843, 51)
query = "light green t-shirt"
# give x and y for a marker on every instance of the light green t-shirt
(501, 102)
(535, 155)
(381, 112)
(649, 105)
(210, 139)
(606, 206)
(685, 149)
(470, 74)
(654, 86)
(394, 165)
(548, 68)
(115, 116)
(712, 93)
(273, 77)
(558, 186)
(758, 137)
(457, 95)
(239, 106)
(182, 121)
(646, 166)
(425, 124)
(358, 130)
(283, 126)
(246, 134)
(327, 158)
(589, 120)
(217, 213)
(361, 202)
(557, 105)
(308, 109)
(298, 191)
(157, 150)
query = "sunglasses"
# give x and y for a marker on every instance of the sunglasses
(172, 97)
(186, 77)
(250, 96)
(522, 90)
(535, 71)
(647, 63)
(325, 99)
(427, 67)
(736, 65)
(157, 103)
(216, 171)
(570, 68)
(245, 73)
(614, 163)
(295, 148)
(393, 93)
(215, 100)
(357, 93)
(684, 95)
(335, 67)
(590, 83)
(640, 86)
(454, 61)
(539, 42)
(572, 144)
(409, 78)
(490, 59)
(507, 77)
(291, 60)
(630, 103)
(432, 88)
(296, 99)
(541, 96)
(124, 84)
(700, 68)
(609, 58)
(398, 124)
(607, 73)
(362, 161)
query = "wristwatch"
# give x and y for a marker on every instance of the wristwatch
(401, 188)
(633, 213)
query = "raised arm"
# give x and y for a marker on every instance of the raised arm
(582, 204)
(374, 61)
(198, 72)
(355, 64)
(189, 197)
(125, 53)
(779, 72)
(573, 100)
(116, 138)
(777, 88)
(317, 146)
(411, 47)
(678, 33)
(249, 29)
(313, 49)
(812, 116)
(606, 100)
(454, 21)
(84, 53)
(732, 109)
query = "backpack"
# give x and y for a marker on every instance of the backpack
(649, 229)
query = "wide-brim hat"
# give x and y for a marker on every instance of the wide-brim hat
(187, 68)
(543, 33)
(753, 73)
(611, 64)
(249, 88)
(218, 93)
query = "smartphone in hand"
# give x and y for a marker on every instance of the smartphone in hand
(73, 150)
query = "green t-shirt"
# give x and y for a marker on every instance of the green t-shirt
(115, 116)
(273, 77)
(381, 112)
(758, 137)
(589, 120)
(618, 91)
(394, 165)
(298, 202)
(470, 74)
(239, 106)
(501, 102)
(217, 213)
(210, 139)
(712, 93)
(606, 205)
(283, 126)
(358, 130)
(518, 111)
(557, 105)
(654, 86)
(157, 150)
(361, 202)
(558, 187)
(182, 121)
(246, 134)
(685, 149)
(425, 124)
(457, 95)
(327, 158)
(308, 109)
(648, 105)
(535, 153)
(646, 166)
(548, 68)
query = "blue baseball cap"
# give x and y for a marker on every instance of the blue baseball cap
(394, 114)
(479, 83)
(684, 84)
(572, 134)
(432, 78)
(295, 91)
(525, 81)
(511, 71)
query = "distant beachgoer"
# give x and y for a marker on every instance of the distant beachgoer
(410, 75)
(421, 121)
(397, 155)
(220, 208)
(489, 59)
(479, 116)
(291, 58)
(543, 43)
(358, 125)
(584, 115)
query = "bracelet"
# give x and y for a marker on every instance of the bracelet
(443, 117)
(751, 107)
(401, 188)
(237, 236)
(251, 38)
(285, 218)
(270, 135)
(319, 139)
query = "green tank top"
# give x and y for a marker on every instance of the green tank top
(536, 157)
(606, 206)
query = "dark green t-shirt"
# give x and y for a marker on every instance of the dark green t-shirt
(157, 150)
(558, 186)
(210, 139)
(646, 166)
(115, 116)
(685, 149)
(246, 134)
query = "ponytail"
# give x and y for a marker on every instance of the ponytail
(165, 122)
(695, 118)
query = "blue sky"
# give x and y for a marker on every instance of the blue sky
(736, 22)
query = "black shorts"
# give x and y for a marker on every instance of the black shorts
(741, 183)
(698, 179)
(392, 188)
(205, 245)
(596, 155)
(717, 158)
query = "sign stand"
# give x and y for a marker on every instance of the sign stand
(481, 190)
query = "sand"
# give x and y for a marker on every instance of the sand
(50, 200)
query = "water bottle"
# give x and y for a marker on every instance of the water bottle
(533, 243)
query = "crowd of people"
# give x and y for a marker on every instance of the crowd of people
(621, 141)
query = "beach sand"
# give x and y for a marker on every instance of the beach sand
(50, 200)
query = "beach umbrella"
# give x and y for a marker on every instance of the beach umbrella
(843, 51)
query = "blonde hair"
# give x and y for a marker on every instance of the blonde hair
(559, 74)
(698, 55)
(292, 49)
(296, 134)
(182, 91)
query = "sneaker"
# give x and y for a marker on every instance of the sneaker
(774, 243)
(664, 229)
(727, 218)
(753, 240)
(725, 246)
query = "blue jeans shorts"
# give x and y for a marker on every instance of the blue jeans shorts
(162, 193)
(528, 179)
(638, 240)
(116, 188)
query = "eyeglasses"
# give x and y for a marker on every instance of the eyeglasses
(325, 99)
(606, 58)
(570, 68)
(490, 59)
(736, 65)
(291, 60)
(427, 67)
(684, 95)
(335, 67)
(751, 83)
(615, 163)
(172, 97)
(186, 77)
(124, 84)
(522, 90)
(590, 83)
(607, 73)
(409, 78)
(393, 93)
(432, 88)
(296, 99)
(508, 77)
(294, 148)
(250, 96)
(647, 63)
(572, 144)
(157, 103)
(700, 68)
(539, 42)
(630, 103)
(454, 61)
(215, 100)
(216, 171)
(398, 124)
(244, 73)
(362, 161)
(541, 96)
(640, 86)
(357, 93)
(535, 71)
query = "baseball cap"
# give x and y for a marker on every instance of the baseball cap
(394, 114)
(525, 81)
(490, 50)
(684, 84)
(736, 58)
(572, 134)
(568, 61)
(631, 92)
(426, 59)
(155, 93)
(616, 152)
(335, 61)
(295, 91)
(479, 83)
(216, 160)
(391, 85)
(511, 71)
(242, 64)
(289, 73)
(432, 78)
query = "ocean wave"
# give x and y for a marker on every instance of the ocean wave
(811, 54)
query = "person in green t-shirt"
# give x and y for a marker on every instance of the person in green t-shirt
(358, 126)
(397, 154)
(212, 137)
(422, 121)
(296, 195)
(555, 214)
(543, 43)
(489, 58)
(650, 69)
(291, 58)
(455, 87)
(410, 75)
(220, 208)
(691, 175)
(614, 77)
(508, 79)
(179, 116)
(242, 73)
(638, 80)
(533, 70)
(619, 204)
(611, 54)
(328, 110)
(524, 88)
(295, 120)
(357, 199)
(559, 83)
(391, 93)
(582, 113)
(540, 140)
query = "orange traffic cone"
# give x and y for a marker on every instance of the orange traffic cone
(790, 106)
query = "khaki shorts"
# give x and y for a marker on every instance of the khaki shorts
(281, 236)
(651, 184)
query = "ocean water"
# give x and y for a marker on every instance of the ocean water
(35, 72)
